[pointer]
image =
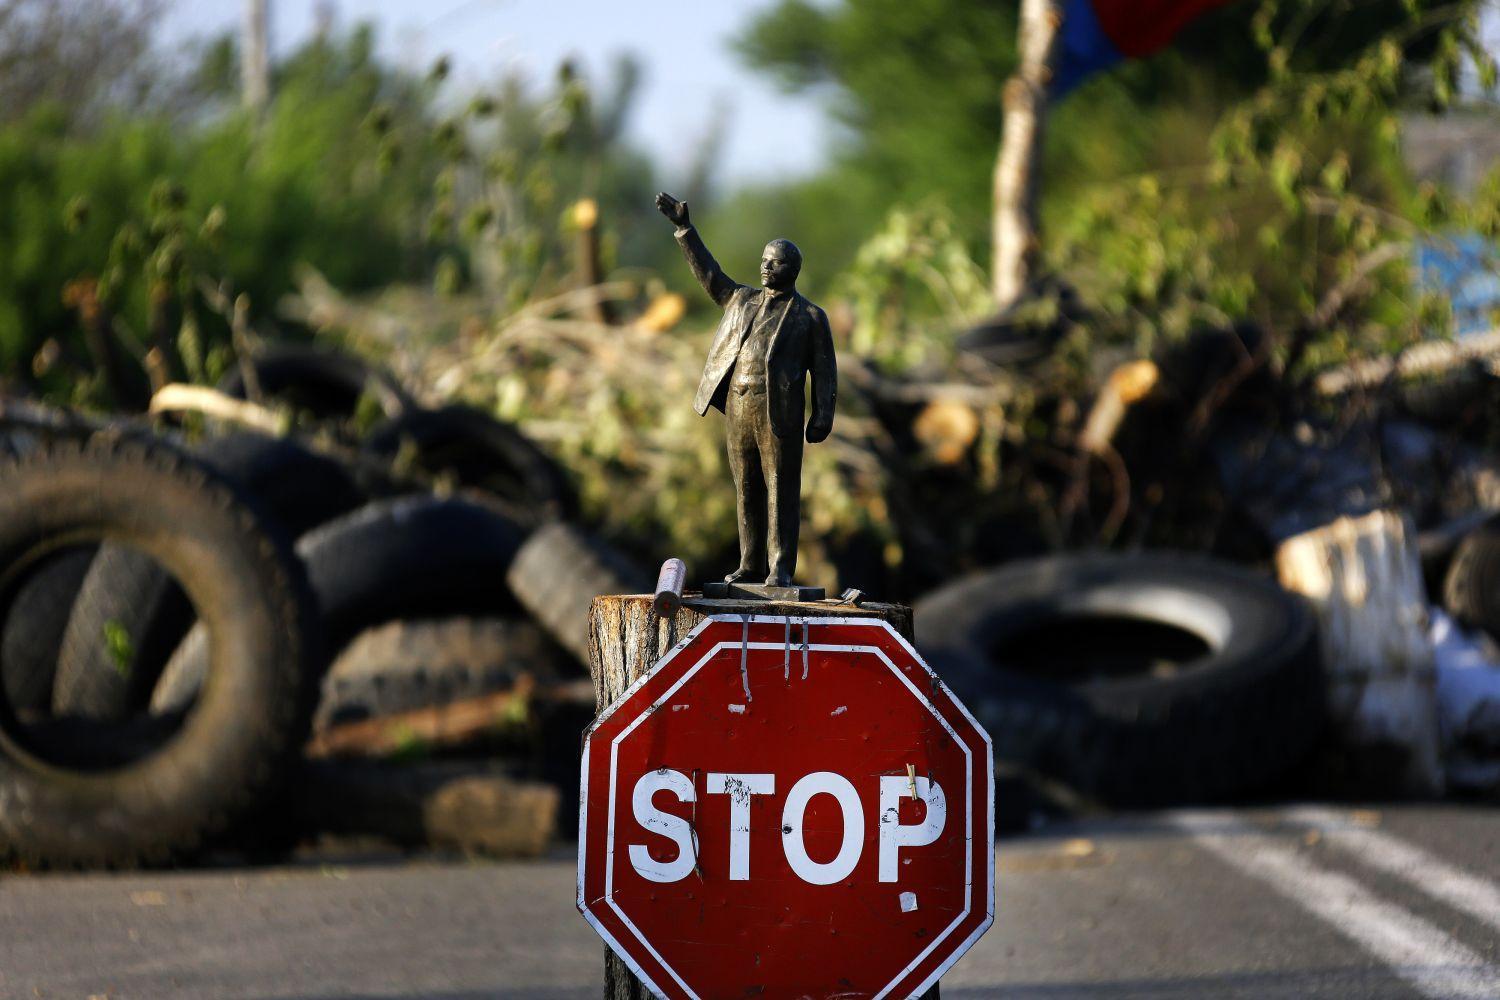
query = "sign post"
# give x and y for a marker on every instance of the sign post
(779, 800)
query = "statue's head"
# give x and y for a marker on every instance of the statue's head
(780, 264)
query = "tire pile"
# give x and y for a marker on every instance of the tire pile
(181, 619)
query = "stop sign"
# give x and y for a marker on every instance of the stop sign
(788, 808)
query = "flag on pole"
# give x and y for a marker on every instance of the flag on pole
(1096, 34)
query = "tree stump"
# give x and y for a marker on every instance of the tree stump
(627, 638)
(1363, 576)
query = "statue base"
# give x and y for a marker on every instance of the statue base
(762, 592)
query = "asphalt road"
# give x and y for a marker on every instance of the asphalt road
(1274, 903)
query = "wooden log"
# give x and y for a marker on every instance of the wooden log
(1364, 577)
(471, 806)
(515, 711)
(177, 396)
(626, 639)
(1427, 358)
(437, 727)
(1127, 385)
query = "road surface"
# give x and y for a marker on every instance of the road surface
(1288, 902)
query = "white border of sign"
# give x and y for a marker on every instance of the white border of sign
(671, 654)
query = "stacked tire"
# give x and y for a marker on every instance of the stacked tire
(1138, 680)
(139, 788)
(169, 608)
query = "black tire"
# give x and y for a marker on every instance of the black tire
(215, 764)
(1458, 397)
(558, 573)
(1061, 660)
(1471, 589)
(406, 665)
(1438, 545)
(326, 383)
(411, 557)
(29, 420)
(478, 451)
(299, 487)
(129, 591)
(32, 633)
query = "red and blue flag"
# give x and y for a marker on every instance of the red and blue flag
(1096, 34)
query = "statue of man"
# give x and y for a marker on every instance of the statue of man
(768, 343)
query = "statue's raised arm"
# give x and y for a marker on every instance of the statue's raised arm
(710, 275)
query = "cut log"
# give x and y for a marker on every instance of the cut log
(626, 637)
(441, 726)
(517, 711)
(468, 806)
(1364, 577)
(1128, 384)
(177, 397)
(1427, 358)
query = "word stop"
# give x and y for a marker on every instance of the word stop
(893, 835)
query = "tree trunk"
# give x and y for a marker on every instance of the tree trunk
(255, 74)
(1014, 224)
(590, 270)
(1365, 579)
(627, 638)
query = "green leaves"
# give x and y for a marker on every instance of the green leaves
(118, 644)
(76, 213)
(910, 285)
(337, 175)
(1335, 173)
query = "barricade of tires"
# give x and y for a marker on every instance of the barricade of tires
(375, 624)
(232, 639)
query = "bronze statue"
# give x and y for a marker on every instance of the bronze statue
(768, 343)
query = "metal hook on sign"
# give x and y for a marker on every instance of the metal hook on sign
(786, 652)
(804, 650)
(745, 658)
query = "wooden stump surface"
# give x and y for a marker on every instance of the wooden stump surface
(626, 637)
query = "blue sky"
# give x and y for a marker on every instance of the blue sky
(691, 73)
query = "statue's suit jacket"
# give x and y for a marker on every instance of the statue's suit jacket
(801, 345)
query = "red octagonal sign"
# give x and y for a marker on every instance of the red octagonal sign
(788, 808)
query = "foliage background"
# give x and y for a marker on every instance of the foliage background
(1249, 172)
